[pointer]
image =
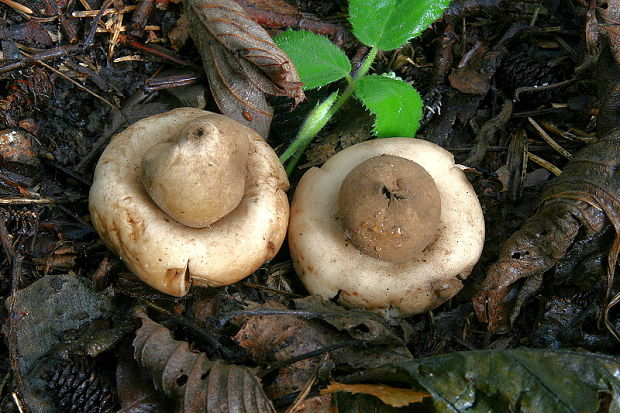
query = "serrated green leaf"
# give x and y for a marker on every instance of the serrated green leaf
(317, 59)
(388, 24)
(396, 105)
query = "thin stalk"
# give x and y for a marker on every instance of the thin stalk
(321, 114)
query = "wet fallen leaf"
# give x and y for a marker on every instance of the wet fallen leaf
(585, 197)
(271, 339)
(195, 382)
(394, 396)
(358, 323)
(524, 380)
(135, 390)
(241, 61)
(475, 71)
(583, 201)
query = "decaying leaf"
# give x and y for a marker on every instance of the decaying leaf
(586, 196)
(135, 389)
(523, 380)
(358, 323)
(394, 396)
(272, 339)
(241, 61)
(189, 377)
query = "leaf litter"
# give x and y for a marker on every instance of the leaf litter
(44, 227)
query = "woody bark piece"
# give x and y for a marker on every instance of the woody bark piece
(241, 61)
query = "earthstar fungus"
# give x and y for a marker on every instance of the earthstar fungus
(190, 196)
(388, 224)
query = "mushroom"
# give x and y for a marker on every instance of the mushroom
(190, 196)
(392, 225)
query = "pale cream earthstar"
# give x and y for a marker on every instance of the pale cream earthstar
(391, 225)
(190, 197)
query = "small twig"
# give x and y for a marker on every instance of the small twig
(278, 20)
(186, 322)
(25, 201)
(545, 164)
(310, 354)
(155, 84)
(538, 112)
(7, 245)
(533, 89)
(41, 57)
(93, 28)
(572, 134)
(487, 132)
(18, 402)
(140, 16)
(545, 136)
(503, 148)
(104, 11)
(154, 50)
(305, 390)
(85, 4)
(93, 76)
(17, 6)
(124, 29)
(271, 290)
(79, 85)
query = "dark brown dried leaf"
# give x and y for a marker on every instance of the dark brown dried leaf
(241, 61)
(585, 196)
(269, 339)
(135, 390)
(358, 323)
(235, 389)
(189, 377)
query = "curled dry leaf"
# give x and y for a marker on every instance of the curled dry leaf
(394, 396)
(190, 378)
(241, 61)
(585, 196)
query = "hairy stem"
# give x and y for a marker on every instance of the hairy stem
(321, 114)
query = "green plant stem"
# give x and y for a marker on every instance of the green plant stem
(321, 114)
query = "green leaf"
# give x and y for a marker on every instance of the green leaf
(388, 24)
(524, 380)
(396, 104)
(317, 59)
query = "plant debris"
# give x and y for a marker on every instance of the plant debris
(241, 61)
(197, 383)
(513, 89)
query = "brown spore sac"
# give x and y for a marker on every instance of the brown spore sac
(389, 208)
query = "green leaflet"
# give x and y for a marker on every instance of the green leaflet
(396, 105)
(317, 59)
(388, 24)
